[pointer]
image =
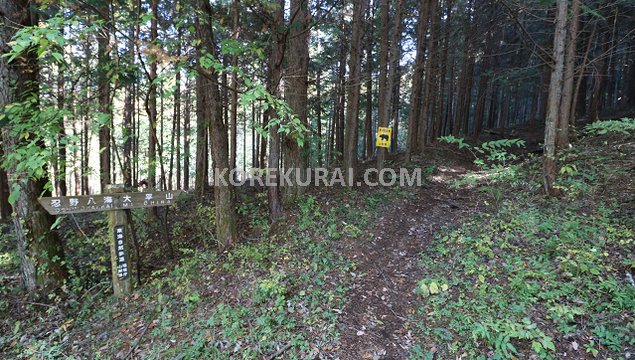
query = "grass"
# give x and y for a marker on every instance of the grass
(275, 290)
(536, 277)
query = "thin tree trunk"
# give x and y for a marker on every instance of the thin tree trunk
(177, 119)
(275, 75)
(186, 136)
(151, 103)
(555, 94)
(5, 207)
(393, 64)
(416, 95)
(383, 96)
(368, 123)
(395, 112)
(428, 94)
(209, 94)
(564, 117)
(318, 115)
(234, 86)
(599, 81)
(444, 68)
(353, 90)
(296, 86)
(341, 100)
(103, 37)
(60, 176)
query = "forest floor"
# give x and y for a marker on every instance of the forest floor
(475, 263)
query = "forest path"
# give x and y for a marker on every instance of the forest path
(372, 324)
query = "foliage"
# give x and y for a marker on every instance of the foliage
(535, 277)
(494, 159)
(623, 126)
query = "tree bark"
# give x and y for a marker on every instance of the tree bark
(128, 123)
(428, 93)
(209, 94)
(186, 136)
(368, 123)
(39, 248)
(353, 89)
(564, 117)
(383, 96)
(151, 105)
(296, 85)
(416, 95)
(103, 38)
(553, 102)
(393, 50)
(275, 75)
(234, 86)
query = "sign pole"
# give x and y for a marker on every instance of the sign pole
(115, 202)
(119, 233)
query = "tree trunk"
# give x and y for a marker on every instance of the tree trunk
(340, 102)
(5, 207)
(209, 94)
(128, 121)
(383, 96)
(416, 95)
(296, 85)
(599, 81)
(428, 94)
(555, 94)
(275, 76)
(393, 63)
(60, 169)
(39, 248)
(368, 122)
(318, 115)
(186, 137)
(103, 37)
(151, 102)
(234, 86)
(483, 85)
(177, 121)
(564, 117)
(394, 146)
(352, 91)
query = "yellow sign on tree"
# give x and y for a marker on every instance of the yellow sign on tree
(384, 134)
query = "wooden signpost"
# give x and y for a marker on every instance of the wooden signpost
(115, 201)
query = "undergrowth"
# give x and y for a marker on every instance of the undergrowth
(535, 277)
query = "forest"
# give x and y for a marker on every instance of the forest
(199, 131)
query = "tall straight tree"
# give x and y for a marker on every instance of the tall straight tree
(186, 135)
(128, 127)
(209, 94)
(296, 83)
(234, 86)
(384, 88)
(553, 101)
(417, 80)
(103, 56)
(39, 248)
(273, 86)
(428, 92)
(352, 87)
(564, 117)
(151, 99)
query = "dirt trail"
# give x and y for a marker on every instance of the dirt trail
(372, 323)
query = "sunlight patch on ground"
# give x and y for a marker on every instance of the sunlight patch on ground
(444, 175)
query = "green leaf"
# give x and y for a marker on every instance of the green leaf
(15, 194)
